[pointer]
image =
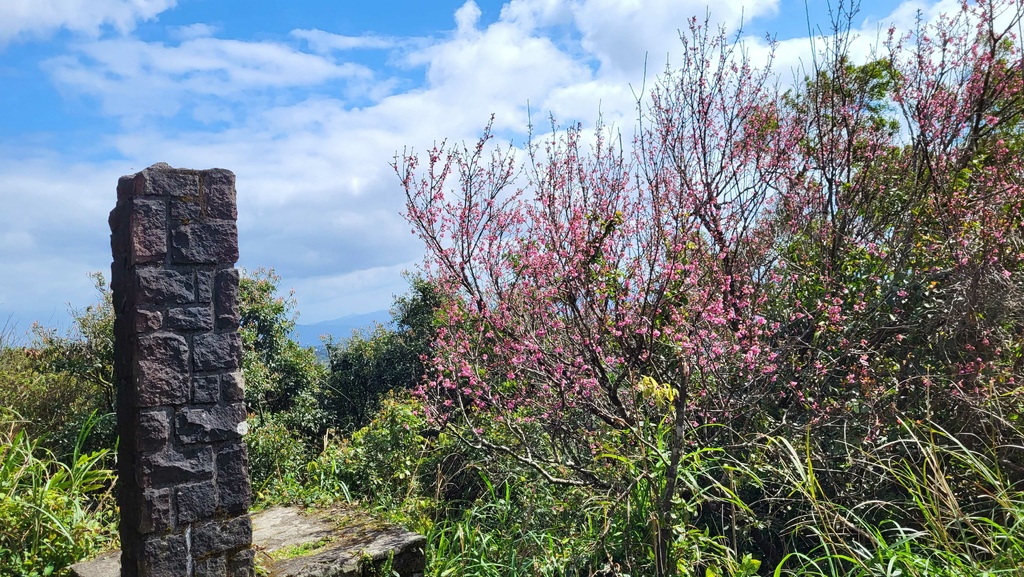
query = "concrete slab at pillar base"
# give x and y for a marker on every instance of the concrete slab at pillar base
(290, 542)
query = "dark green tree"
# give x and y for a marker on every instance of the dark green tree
(283, 379)
(366, 366)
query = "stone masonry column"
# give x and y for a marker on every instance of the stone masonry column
(183, 486)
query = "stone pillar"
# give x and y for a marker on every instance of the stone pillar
(183, 486)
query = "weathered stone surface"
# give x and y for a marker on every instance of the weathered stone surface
(241, 564)
(170, 466)
(199, 318)
(148, 231)
(204, 425)
(148, 321)
(196, 501)
(349, 536)
(118, 234)
(125, 188)
(156, 512)
(154, 429)
(221, 536)
(234, 492)
(161, 369)
(225, 302)
(165, 556)
(344, 533)
(187, 209)
(175, 337)
(214, 352)
(105, 565)
(156, 286)
(205, 243)
(162, 180)
(219, 189)
(206, 389)
(233, 386)
(211, 567)
(204, 286)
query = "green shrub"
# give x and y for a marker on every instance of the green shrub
(52, 514)
(70, 372)
(380, 462)
(277, 460)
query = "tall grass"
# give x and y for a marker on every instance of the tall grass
(929, 503)
(52, 513)
(956, 514)
(940, 509)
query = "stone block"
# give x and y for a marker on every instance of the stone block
(214, 352)
(221, 536)
(170, 466)
(234, 493)
(126, 187)
(225, 302)
(233, 386)
(187, 210)
(196, 501)
(218, 423)
(206, 389)
(148, 321)
(156, 513)
(119, 289)
(199, 318)
(156, 286)
(154, 429)
(357, 544)
(164, 556)
(205, 243)
(219, 190)
(148, 231)
(118, 231)
(211, 567)
(162, 180)
(204, 286)
(241, 564)
(161, 369)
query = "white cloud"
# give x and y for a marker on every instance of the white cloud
(317, 198)
(55, 233)
(39, 18)
(323, 42)
(134, 78)
(192, 31)
(610, 28)
(466, 18)
(358, 291)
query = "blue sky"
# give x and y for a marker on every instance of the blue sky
(307, 102)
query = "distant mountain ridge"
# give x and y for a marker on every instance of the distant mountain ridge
(340, 328)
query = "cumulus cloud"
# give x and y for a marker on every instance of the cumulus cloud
(54, 234)
(191, 31)
(39, 18)
(323, 42)
(317, 199)
(132, 77)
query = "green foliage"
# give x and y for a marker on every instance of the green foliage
(382, 461)
(277, 457)
(52, 513)
(73, 372)
(365, 367)
(960, 513)
(283, 379)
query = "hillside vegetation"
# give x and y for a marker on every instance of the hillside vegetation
(780, 332)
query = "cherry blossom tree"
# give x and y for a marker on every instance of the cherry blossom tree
(844, 254)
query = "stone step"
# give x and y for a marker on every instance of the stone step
(290, 542)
